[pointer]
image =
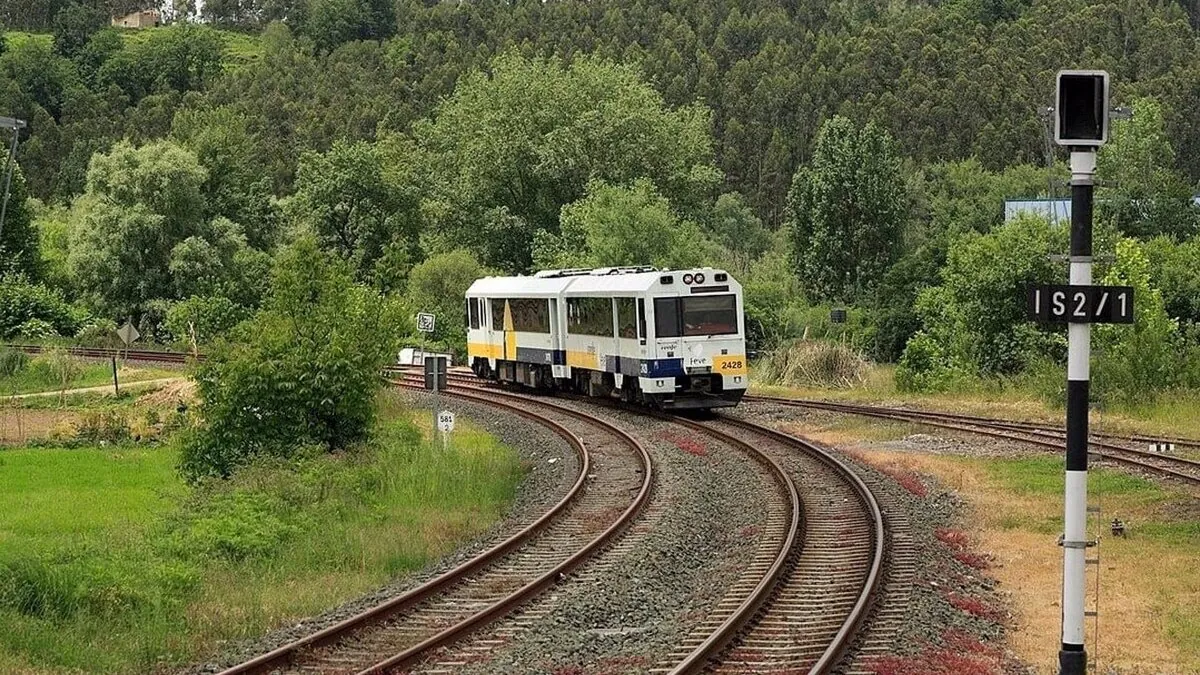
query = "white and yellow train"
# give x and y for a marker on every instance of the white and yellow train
(666, 338)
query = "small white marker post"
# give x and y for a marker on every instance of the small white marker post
(445, 424)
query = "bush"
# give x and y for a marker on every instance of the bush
(108, 426)
(304, 371)
(33, 308)
(98, 333)
(814, 363)
(203, 318)
(925, 367)
(12, 361)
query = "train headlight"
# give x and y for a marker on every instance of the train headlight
(687, 278)
(699, 277)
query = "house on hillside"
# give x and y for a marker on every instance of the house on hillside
(147, 18)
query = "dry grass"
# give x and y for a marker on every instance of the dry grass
(1149, 613)
(1173, 414)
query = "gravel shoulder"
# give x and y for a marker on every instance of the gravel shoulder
(948, 614)
(637, 601)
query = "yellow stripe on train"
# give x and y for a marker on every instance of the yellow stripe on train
(589, 360)
(485, 350)
(729, 365)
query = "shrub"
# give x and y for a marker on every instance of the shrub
(12, 361)
(107, 426)
(98, 333)
(303, 371)
(814, 363)
(33, 308)
(925, 367)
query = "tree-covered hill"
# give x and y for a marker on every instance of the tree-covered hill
(845, 152)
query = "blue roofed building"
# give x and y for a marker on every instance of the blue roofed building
(1054, 210)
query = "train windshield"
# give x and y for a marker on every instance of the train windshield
(695, 316)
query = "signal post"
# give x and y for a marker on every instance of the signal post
(1081, 124)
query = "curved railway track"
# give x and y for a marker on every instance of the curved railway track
(827, 581)
(799, 603)
(613, 484)
(1171, 466)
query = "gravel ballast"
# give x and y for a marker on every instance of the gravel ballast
(637, 601)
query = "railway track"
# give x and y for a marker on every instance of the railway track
(800, 602)
(613, 484)
(149, 355)
(827, 580)
(1101, 446)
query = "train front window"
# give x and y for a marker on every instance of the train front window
(710, 315)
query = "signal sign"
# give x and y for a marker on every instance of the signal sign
(1080, 304)
(426, 322)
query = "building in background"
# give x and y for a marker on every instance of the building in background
(146, 18)
(1054, 210)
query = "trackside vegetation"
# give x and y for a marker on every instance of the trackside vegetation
(110, 562)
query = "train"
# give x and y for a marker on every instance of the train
(668, 339)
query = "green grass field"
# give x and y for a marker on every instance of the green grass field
(109, 563)
(240, 48)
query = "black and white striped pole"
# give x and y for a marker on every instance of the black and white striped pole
(1081, 123)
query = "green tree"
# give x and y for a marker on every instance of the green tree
(201, 319)
(139, 204)
(847, 211)
(974, 321)
(530, 134)
(218, 262)
(19, 238)
(734, 227)
(344, 197)
(74, 26)
(439, 285)
(1138, 361)
(1175, 272)
(1149, 198)
(621, 226)
(22, 302)
(333, 22)
(303, 371)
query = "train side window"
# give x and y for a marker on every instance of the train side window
(626, 319)
(473, 312)
(641, 320)
(530, 315)
(497, 314)
(590, 316)
(666, 318)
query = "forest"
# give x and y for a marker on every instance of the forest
(853, 153)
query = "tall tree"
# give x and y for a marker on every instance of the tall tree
(18, 237)
(847, 211)
(346, 200)
(1147, 197)
(139, 204)
(74, 25)
(531, 133)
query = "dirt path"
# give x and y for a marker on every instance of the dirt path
(102, 389)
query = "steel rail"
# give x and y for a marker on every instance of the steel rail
(284, 654)
(725, 633)
(418, 651)
(959, 417)
(849, 630)
(987, 429)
